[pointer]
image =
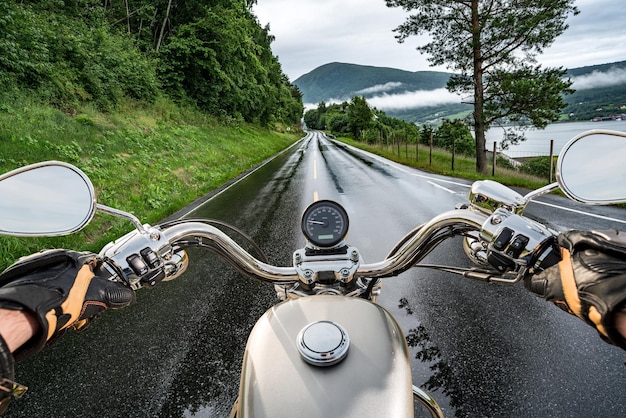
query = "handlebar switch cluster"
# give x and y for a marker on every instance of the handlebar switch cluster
(517, 246)
(512, 240)
(139, 258)
(500, 262)
(150, 257)
(145, 265)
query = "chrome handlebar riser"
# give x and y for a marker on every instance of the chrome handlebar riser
(320, 267)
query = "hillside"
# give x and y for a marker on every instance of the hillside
(420, 96)
(342, 81)
(600, 91)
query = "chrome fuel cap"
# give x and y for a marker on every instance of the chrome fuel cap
(323, 343)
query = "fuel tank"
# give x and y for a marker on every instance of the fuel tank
(296, 362)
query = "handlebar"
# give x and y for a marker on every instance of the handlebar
(143, 258)
(232, 252)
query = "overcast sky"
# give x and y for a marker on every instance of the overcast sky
(311, 33)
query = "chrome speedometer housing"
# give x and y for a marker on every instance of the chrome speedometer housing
(325, 224)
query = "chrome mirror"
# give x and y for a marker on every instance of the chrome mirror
(592, 167)
(45, 199)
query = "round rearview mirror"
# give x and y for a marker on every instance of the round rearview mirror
(45, 199)
(592, 167)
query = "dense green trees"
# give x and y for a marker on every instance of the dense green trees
(223, 62)
(213, 53)
(357, 119)
(346, 118)
(492, 46)
(70, 60)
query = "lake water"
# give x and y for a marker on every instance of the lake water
(538, 141)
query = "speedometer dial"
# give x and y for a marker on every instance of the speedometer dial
(325, 223)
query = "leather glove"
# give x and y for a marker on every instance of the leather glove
(63, 289)
(589, 281)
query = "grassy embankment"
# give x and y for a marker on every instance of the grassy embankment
(150, 161)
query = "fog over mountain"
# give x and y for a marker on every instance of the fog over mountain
(612, 77)
(414, 99)
(420, 96)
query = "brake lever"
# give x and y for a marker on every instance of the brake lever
(476, 274)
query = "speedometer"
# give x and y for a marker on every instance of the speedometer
(325, 223)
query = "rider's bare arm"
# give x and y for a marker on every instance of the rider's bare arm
(17, 327)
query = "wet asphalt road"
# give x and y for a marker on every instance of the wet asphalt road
(483, 349)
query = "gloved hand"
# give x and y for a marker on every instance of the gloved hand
(63, 289)
(589, 281)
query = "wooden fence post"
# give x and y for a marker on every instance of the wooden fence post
(453, 153)
(493, 167)
(551, 159)
(430, 161)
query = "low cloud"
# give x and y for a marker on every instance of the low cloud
(414, 99)
(380, 88)
(327, 102)
(408, 100)
(612, 77)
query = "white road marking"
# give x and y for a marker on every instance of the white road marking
(441, 187)
(580, 212)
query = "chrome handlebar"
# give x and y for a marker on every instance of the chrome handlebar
(225, 246)
(144, 258)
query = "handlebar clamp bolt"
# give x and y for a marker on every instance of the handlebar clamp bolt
(495, 220)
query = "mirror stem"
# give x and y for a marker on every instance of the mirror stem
(122, 214)
(540, 192)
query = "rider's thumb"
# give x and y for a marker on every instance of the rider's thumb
(118, 296)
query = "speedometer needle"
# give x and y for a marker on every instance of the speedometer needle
(316, 222)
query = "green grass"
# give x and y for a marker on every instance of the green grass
(147, 160)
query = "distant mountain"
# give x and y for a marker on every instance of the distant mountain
(420, 96)
(341, 81)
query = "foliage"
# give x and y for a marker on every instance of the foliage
(425, 133)
(359, 115)
(357, 119)
(67, 61)
(212, 53)
(537, 166)
(455, 135)
(493, 47)
(223, 62)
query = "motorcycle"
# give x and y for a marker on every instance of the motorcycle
(327, 349)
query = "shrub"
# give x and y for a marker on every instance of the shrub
(537, 166)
